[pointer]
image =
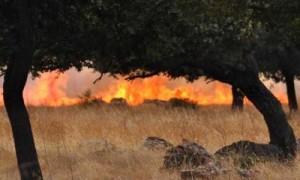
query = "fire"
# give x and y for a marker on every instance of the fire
(56, 89)
(49, 90)
(159, 87)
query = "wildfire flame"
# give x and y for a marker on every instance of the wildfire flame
(157, 88)
(51, 89)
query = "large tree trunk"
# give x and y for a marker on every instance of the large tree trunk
(281, 134)
(14, 82)
(291, 92)
(237, 99)
(245, 76)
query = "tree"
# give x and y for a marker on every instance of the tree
(35, 38)
(14, 82)
(278, 54)
(281, 64)
(277, 49)
(237, 99)
(204, 39)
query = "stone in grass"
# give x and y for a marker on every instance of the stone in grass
(192, 160)
(246, 154)
(156, 143)
(188, 154)
(247, 148)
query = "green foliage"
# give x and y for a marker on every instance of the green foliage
(171, 37)
(278, 50)
(138, 38)
(57, 30)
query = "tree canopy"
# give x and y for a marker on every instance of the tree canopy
(57, 28)
(174, 37)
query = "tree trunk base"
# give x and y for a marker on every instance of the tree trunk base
(31, 171)
(237, 99)
(291, 92)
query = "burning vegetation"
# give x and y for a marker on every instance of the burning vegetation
(58, 89)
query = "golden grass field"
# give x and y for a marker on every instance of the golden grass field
(71, 140)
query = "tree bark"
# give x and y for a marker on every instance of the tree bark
(291, 92)
(237, 99)
(245, 76)
(14, 82)
(280, 132)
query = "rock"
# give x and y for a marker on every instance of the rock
(188, 154)
(247, 148)
(156, 143)
(246, 155)
(193, 160)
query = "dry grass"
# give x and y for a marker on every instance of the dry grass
(70, 140)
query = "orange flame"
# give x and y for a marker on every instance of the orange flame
(158, 88)
(51, 89)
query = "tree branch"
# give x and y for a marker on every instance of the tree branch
(99, 78)
(142, 75)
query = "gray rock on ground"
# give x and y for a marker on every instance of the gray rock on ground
(192, 160)
(195, 162)
(247, 148)
(156, 143)
(188, 154)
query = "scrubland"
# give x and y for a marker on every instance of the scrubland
(105, 142)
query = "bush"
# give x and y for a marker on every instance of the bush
(183, 103)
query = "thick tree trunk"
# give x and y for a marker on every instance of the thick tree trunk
(15, 79)
(291, 92)
(245, 76)
(237, 99)
(281, 134)
(14, 82)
